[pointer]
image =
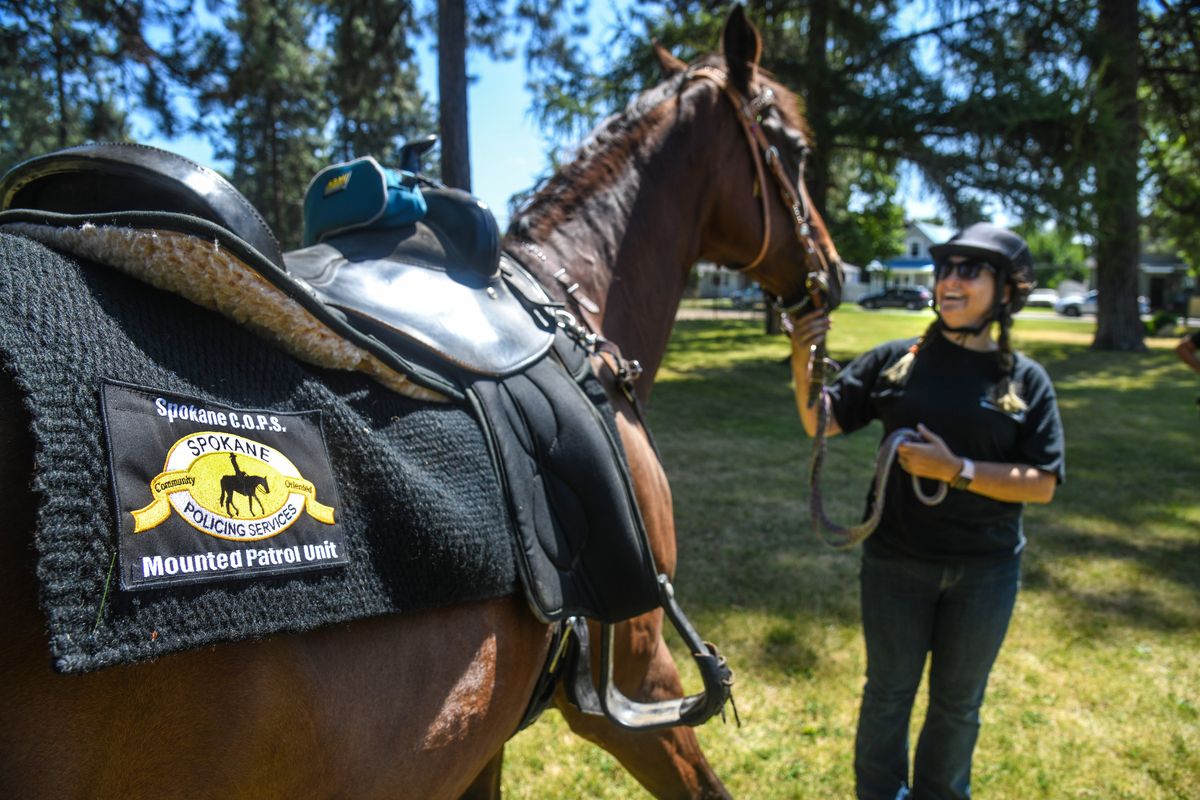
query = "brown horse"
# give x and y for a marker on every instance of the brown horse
(420, 705)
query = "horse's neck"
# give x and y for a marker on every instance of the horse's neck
(631, 245)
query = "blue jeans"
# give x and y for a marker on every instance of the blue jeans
(960, 615)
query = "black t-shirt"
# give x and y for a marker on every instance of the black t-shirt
(1195, 337)
(949, 390)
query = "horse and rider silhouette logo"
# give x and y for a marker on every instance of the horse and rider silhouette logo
(241, 483)
(230, 487)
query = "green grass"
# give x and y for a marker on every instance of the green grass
(1097, 691)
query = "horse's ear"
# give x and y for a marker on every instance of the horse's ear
(669, 63)
(742, 47)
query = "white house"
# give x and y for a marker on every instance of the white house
(712, 281)
(1165, 281)
(915, 266)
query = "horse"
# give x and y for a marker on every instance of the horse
(241, 483)
(421, 704)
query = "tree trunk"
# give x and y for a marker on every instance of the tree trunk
(1117, 248)
(817, 105)
(452, 93)
(816, 111)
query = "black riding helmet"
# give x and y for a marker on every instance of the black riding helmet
(1003, 249)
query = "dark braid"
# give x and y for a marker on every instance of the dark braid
(1007, 395)
(897, 374)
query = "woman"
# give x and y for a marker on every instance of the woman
(942, 579)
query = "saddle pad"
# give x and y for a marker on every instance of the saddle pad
(410, 484)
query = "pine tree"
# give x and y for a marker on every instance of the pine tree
(453, 125)
(62, 75)
(264, 105)
(372, 81)
(1171, 120)
(1115, 59)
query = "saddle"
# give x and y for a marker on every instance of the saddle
(426, 303)
(421, 295)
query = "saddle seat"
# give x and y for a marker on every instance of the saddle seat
(431, 293)
(438, 283)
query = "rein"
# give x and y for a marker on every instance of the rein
(842, 537)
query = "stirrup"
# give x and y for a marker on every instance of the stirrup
(611, 703)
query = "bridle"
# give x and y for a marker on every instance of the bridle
(749, 114)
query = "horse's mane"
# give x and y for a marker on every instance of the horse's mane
(602, 158)
(597, 162)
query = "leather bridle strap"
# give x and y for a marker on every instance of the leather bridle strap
(745, 118)
(761, 149)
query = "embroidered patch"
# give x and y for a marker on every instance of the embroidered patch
(209, 492)
(1016, 416)
(338, 184)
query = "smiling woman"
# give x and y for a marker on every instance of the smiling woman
(940, 574)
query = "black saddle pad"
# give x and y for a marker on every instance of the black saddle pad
(419, 511)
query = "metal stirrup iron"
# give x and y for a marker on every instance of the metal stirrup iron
(610, 702)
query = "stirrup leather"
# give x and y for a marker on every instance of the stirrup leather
(610, 702)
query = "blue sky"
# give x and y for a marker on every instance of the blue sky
(507, 151)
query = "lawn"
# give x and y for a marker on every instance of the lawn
(1097, 691)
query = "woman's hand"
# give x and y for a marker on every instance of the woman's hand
(807, 330)
(929, 459)
(1009, 483)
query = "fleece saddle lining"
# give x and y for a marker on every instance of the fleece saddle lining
(214, 278)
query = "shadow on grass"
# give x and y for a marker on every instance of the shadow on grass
(1093, 607)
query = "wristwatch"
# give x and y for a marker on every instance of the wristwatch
(965, 475)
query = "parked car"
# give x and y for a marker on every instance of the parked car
(1072, 305)
(750, 297)
(910, 297)
(1042, 298)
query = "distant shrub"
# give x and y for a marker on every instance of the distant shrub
(1161, 324)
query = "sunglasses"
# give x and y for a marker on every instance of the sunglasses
(967, 270)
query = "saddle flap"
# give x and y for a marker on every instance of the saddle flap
(581, 542)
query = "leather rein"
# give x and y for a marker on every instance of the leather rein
(844, 537)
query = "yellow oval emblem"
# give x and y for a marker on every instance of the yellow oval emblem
(230, 487)
(240, 487)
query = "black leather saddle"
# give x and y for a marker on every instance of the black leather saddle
(101, 179)
(436, 284)
(431, 298)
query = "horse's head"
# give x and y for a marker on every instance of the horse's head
(763, 223)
